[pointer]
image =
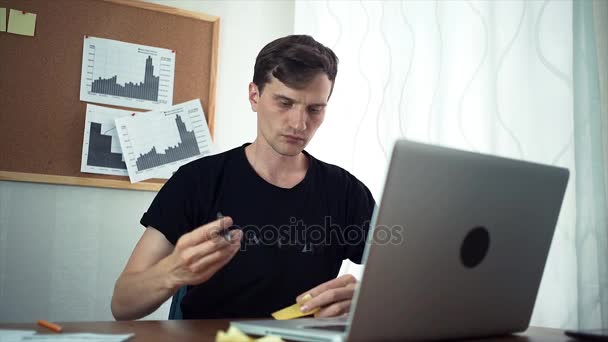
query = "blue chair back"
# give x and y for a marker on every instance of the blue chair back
(175, 312)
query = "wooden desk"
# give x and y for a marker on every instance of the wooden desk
(205, 330)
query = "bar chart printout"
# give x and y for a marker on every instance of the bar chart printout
(157, 143)
(101, 152)
(127, 75)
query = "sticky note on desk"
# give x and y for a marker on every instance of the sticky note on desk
(294, 311)
(235, 335)
(20, 22)
(2, 19)
(232, 335)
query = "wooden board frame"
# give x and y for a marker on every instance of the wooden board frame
(18, 160)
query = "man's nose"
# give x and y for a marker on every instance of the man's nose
(297, 118)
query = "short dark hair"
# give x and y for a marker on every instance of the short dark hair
(294, 60)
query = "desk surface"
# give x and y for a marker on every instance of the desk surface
(205, 330)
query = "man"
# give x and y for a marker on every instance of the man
(291, 218)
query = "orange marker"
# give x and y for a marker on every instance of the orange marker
(51, 326)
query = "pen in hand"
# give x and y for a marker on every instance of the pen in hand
(224, 232)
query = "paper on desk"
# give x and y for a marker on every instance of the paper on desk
(2, 19)
(14, 335)
(78, 337)
(21, 22)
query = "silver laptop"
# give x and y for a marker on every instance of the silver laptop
(475, 234)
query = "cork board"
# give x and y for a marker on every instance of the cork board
(41, 115)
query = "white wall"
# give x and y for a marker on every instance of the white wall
(62, 247)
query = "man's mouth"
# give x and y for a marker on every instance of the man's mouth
(294, 138)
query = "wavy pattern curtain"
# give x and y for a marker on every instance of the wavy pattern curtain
(490, 76)
(590, 31)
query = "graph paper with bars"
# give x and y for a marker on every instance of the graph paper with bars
(127, 75)
(101, 151)
(155, 144)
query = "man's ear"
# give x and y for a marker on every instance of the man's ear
(254, 96)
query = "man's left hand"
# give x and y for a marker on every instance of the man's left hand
(333, 298)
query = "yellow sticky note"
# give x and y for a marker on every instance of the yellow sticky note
(235, 335)
(293, 311)
(21, 23)
(2, 19)
(232, 335)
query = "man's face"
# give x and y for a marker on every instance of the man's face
(288, 118)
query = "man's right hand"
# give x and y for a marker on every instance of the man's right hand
(199, 254)
(157, 268)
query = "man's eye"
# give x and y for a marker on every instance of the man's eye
(285, 104)
(314, 110)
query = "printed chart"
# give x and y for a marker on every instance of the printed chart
(101, 152)
(127, 75)
(157, 143)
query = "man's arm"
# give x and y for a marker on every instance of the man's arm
(157, 269)
(143, 274)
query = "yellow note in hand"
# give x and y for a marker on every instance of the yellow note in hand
(293, 311)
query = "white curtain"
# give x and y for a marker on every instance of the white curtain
(488, 76)
(590, 31)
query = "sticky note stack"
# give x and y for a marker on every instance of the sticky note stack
(235, 335)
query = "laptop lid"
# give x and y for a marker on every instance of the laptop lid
(460, 242)
(458, 248)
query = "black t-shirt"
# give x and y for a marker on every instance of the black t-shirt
(293, 239)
